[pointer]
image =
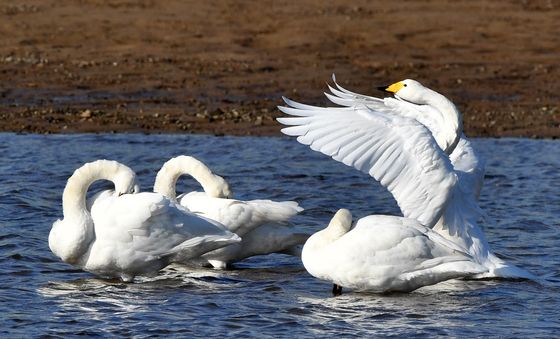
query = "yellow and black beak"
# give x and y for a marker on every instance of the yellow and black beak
(394, 88)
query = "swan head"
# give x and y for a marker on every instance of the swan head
(126, 184)
(446, 126)
(408, 90)
(214, 186)
(219, 188)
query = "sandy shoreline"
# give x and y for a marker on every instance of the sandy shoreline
(222, 67)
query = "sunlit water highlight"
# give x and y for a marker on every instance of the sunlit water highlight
(270, 295)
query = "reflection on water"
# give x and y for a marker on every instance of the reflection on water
(270, 295)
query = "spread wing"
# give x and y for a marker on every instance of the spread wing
(424, 114)
(459, 197)
(396, 150)
(462, 210)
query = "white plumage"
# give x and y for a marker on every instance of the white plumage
(261, 223)
(384, 254)
(128, 234)
(413, 145)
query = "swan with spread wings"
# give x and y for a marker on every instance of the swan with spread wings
(414, 146)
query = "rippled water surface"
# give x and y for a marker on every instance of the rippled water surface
(270, 295)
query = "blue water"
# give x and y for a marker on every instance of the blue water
(270, 296)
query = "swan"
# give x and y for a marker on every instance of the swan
(414, 146)
(383, 253)
(127, 233)
(260, 223)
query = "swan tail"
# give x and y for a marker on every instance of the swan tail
(507, 271)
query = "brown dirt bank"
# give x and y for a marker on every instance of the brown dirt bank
(221, 66)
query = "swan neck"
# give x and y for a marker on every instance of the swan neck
(451, 121)
(74, 195)
(172, 170)
(340, 225)
(335, 233)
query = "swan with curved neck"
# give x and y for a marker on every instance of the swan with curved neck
(413, 145)
(261, 223)
(383, 254)
(68, 239)
(127, 233)
(166, 180)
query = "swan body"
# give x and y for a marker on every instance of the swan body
(414, 146)
(384, 254)
(126, 234)
(260, 223)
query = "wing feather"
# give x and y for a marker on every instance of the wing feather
(339, 93)
(340, 101)
(424, 114)
(383, 145)
(336, 146)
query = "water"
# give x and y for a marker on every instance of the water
(270, 296)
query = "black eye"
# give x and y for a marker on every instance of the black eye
(404, 85)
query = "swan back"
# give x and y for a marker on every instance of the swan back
(148, 227)
(239, 216)
(387, 253)
(166, 179)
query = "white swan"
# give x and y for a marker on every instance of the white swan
(261, 223)
(413, 145)
(127, 234)
(383, 254)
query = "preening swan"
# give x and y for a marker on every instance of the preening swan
(261, 223)
(413, 145)
(383, 254)
(126, 234)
